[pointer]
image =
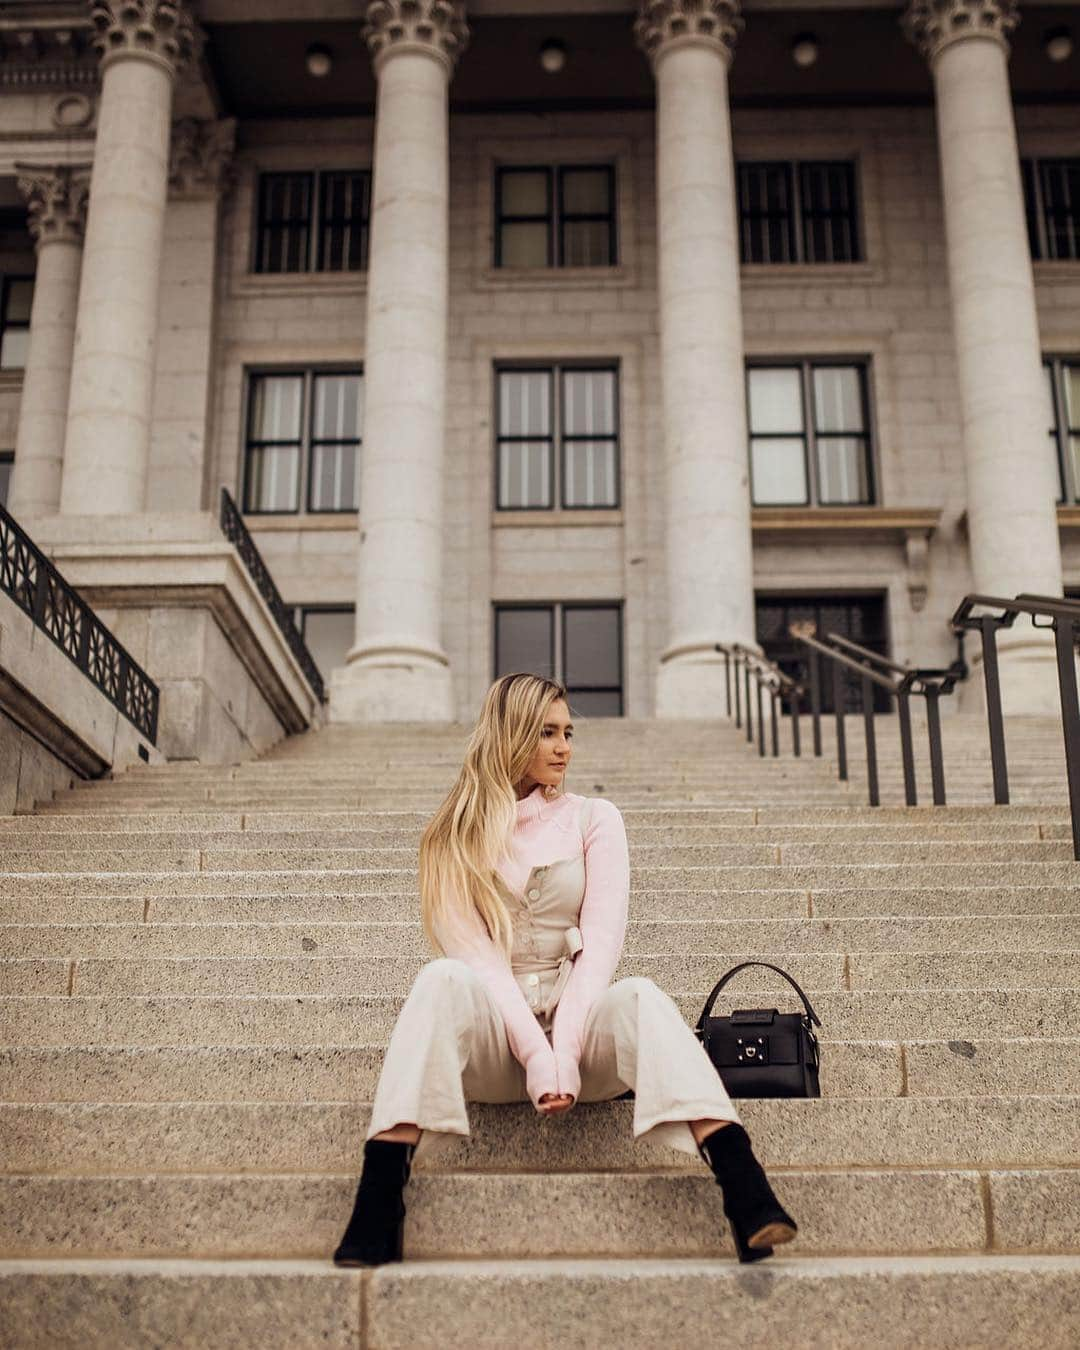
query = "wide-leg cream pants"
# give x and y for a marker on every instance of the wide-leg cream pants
(449, 1046)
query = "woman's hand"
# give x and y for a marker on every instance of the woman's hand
(555, 1103)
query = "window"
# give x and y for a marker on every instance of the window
(560, 216)
(313, 222)
(7, 461)
(557, 437)
(16, 297)
(803, 212)
(809, 434)
(1063, 419)
(860, 618)
(328, 632)
(303, 427)
(1052, 203)
(579, 644)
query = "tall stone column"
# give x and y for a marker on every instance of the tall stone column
(106, 451)
(397, 669)
(56, 204)
(1011, 477)
(709, 561)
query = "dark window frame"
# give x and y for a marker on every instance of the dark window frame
(800, 215)
(302, 611)
(314, 223)
(1061, 432)
(556, 217)
(1035, 172)
(309, 374)
(6, 457)
(559, 438)
(556, 611)
(806, 365)
(7, 280)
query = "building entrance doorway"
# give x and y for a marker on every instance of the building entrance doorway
(861, 618)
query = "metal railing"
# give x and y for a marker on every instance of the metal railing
(744, 667)
(33, 582)
(236, 532)
(899, 682)
(1062, 617)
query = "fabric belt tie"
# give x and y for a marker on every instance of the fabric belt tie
(573, 943)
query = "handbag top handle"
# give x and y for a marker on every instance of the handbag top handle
(742, 966)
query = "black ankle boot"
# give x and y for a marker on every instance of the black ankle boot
(755, 1214)
(376, 1229)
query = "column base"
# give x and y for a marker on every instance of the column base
(392, 687)
(691, 685)
(1027, 666)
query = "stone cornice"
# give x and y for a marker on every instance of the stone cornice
(664, 24)
(200, 157)
(434, 27)
(933, 25)
(154, 30)
(56, 197)
(47, 53)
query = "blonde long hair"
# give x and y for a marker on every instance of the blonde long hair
(471, 830)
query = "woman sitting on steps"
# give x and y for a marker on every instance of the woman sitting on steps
(524, 887)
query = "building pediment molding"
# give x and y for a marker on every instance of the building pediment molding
(48, 47)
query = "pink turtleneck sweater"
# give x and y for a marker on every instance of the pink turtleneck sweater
(544, 832)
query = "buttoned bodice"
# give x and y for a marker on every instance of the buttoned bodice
(546, 937)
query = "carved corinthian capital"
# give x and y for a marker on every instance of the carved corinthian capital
(200, 156)
(662, 24)
(56, 196)
(159, 30)
(933, 24)
(437, 27)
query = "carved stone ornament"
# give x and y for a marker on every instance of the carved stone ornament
(434, 26)
(663, 23)
(56, 196)
(200, 156)
(160, 30)
(933, 24)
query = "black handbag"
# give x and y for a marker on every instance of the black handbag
(759, 1052)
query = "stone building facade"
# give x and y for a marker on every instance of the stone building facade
(622, 351)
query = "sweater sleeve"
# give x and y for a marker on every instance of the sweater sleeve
(463, 936)
(602, 922)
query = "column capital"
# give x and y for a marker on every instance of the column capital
(664, 24)
(200, 156)
(434, 27)
(161, 31)
(56, 196)
(933, 25)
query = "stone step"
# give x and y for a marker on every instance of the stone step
(838, 1303)
(643, 857)
(227, 975)
(480, 1215)
(312, 1019)
(868, 836)
(275, 819)
(1021, 932)
(290, 903)
(647, 906)
(850, 1069)
(720, 881)
(152, 1138)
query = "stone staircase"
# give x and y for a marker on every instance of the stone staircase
(201, 968)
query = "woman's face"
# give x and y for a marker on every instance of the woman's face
(556, 746)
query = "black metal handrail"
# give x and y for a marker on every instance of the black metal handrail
(899, 682)
(236, 532)
(751, 666)
(1063, 616)
(35, 585)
